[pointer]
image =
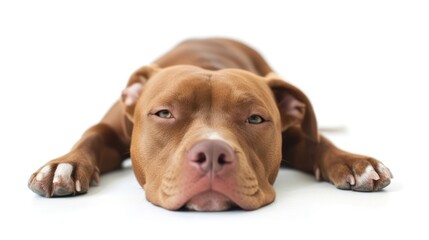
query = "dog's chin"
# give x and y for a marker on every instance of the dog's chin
(209, 201)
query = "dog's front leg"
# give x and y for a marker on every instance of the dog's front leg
(100, 149)
(327, 162)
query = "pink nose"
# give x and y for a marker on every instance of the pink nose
(211, 155)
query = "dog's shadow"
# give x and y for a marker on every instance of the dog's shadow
(290, 180)
(119, 179)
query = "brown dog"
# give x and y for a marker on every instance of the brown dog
(208, 126)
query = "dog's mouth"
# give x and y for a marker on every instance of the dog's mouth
(209, 201)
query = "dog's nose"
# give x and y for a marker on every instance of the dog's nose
(211, 155)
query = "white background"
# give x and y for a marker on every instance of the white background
(363, 64)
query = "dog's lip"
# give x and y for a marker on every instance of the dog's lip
(178, 198)
(209, 201)
(202, 187)
(244, 202)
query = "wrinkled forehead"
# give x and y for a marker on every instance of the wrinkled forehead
(178, 78)
(190, 83)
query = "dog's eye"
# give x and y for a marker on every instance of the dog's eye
(164, 114)
(255, 119)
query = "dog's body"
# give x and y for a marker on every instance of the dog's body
(208, 125)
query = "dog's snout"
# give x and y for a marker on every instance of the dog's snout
(211, 155)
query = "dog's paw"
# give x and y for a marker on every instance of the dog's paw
(65, 176)
(358, 173)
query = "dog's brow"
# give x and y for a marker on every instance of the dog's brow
(245, 99)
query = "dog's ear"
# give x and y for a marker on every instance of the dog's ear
(294, 106)
(131, 93)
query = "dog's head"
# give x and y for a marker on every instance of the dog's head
(210, 140)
